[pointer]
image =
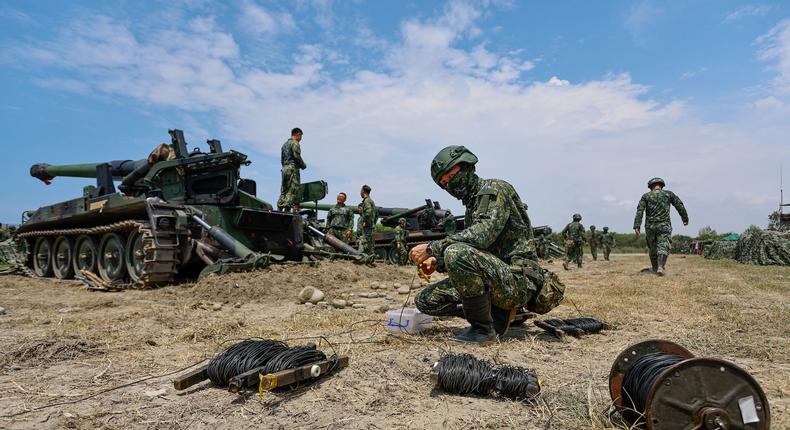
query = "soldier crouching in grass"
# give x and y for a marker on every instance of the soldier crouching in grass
(492, 269)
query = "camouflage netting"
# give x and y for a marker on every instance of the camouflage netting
(721, 249)
(764, 248)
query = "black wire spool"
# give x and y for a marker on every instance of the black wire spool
(242, 357)
(658, 384)
(517, 383)
(574, 326)
(464, 374)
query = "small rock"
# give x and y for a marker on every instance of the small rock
(305, 294)
(216, 307)
(68, 415)
(382, 308)
(151, 342)
(388, 297)
(309, 305)
(358, 306)
(235, 285)
(396, 286)
(404, 289)
(322, 305)
(69, 310)
(375, 286)
(155, 393)
(2, 311)
(237, 305)
(338, 303)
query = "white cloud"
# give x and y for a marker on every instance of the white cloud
(639, 18)
(693, 73)
(747, 11)
(555, 139)
(259, 20)
(775, 46)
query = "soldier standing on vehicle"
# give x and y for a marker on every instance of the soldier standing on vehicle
(594, 241)
(291, 160)
(399, 242)
(573, 236)
(607, 242)
(367, 221)
(340, 220)
(654, 205)
(491, 266)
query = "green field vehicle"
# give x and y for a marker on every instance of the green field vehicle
(424, 223)
(177, 213)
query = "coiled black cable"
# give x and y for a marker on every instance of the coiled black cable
(293, 357)
(466, 374)
(242, 357)
(640, 378)
(574, 326)
(517, 382)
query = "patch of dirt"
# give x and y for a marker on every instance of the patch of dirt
(38, 352)
(713, 308)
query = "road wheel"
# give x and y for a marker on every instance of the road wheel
(63, 258)
(135, 256)
(111, 261)
(42, 257)
(85, 254)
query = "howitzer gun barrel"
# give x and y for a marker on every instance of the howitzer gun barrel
(393, 219)
(334, 242)
(229, 242)
(118, 169)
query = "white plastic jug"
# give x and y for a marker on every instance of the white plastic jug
(407, 320)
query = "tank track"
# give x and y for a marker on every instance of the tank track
(161, 253)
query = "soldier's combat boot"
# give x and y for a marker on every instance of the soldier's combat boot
(565, 265)
(502, 319)
(481, 326)
(662, 261)
(653, 265)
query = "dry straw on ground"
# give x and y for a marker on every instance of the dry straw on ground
(714, 308)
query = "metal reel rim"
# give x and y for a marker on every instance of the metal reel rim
(129, 256)
(691, 362)
(66, 272)
(120, 272)
(78, 243)
(630, 355)
(45, 271)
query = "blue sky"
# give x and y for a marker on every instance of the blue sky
(576, 103)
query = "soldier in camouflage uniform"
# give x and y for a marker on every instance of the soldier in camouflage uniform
(340, 220)
(291, 160)
(594, 241)
(4, 232)
(491, 267)
(607, 242)
(573, 236)
(368, 214)
(655, 206)
(399, 242)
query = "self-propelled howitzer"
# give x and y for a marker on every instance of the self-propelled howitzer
(158, 224)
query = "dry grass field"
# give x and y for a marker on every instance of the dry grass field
(60, 343)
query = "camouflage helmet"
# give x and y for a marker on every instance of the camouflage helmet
(592, 227)
(654, 181)
(606, 229)
(577, 217)
(401, 220)
(448, 158)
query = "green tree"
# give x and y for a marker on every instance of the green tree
(707, 233)
(752, 229)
